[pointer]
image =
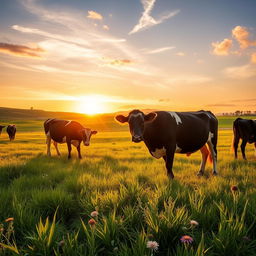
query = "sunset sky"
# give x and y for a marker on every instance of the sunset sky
(112, 55)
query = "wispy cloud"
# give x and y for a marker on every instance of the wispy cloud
(253, 58)
(160, 50)
(21, 50)
(222, 48)
(119, 62)
(181, 54)
(241, 72)
(146, 21)
(94, 15)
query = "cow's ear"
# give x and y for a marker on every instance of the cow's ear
(94, 132)
(150, 117)
(121, 118)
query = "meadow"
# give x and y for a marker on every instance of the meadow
(46, 203)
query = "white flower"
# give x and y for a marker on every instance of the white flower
(94, 214)
(153, 245)
(194, 223)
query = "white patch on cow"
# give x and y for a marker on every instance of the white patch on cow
(159, 152)
(48, 134)
(87, 133)
(177, 118)
(75, 143)
(211, 135)
(178, 149)
(64, 139)
(68, 123)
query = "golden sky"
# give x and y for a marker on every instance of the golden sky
(96, 56)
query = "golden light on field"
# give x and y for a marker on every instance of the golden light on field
(91, 104)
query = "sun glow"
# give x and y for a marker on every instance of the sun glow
(91, 105)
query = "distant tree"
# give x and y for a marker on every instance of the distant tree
(31, 108)
(237, 113)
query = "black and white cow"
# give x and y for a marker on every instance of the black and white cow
(1, 128)
(244, 129)
(166, 133)
(64, 131)
(11, 130)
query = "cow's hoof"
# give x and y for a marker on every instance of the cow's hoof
(200, 173)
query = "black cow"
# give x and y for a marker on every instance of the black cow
(166, 133)
(71, 132)
(1, 128)
(11, 130)
(244, 129)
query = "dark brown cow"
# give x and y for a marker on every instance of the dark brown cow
(64, 131)
(11, 130)
(244, 129)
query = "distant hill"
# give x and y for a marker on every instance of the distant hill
(101, 122)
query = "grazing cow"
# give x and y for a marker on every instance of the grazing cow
(1, 128)
(11, 130)
(166, 133)
(244, 129)
(71, 132)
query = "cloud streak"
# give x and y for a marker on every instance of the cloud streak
(160, 50)
(21, 50)
(146, 21)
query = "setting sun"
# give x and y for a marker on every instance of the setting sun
(91, 105)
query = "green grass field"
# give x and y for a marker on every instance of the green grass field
(51, 199)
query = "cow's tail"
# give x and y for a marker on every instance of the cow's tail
(235, 133)
(47, 128)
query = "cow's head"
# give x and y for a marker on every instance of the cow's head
(86, 135)
(136, 120)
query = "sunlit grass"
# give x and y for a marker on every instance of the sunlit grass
(134, 198)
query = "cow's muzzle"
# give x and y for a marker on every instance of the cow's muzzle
(137, 138)
(86, 143)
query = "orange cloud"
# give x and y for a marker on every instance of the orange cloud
(222, 48)
(94, 15)
(21, 50)
(241, 34)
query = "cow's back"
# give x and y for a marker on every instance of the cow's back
(188, 130)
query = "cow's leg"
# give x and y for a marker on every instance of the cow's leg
(48, 142)
(69, 148)
(235, 145)
(169, 161)
(205, 152)
(244, 142)
(213, 151)
(255, 148)
(56, 147)
(79, 150)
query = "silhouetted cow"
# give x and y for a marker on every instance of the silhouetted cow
(244, 129)
(1, 128)
(70, 132)
(11, 130)
(166, 133)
